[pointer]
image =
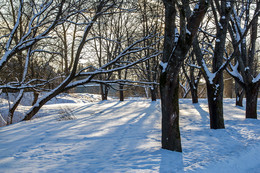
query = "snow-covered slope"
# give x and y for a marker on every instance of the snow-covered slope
(112, 136)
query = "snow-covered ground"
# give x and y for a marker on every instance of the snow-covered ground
(6, 101)
(113, 136)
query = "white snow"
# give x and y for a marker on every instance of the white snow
(113, 136)
(256, 79)
(176, 33)
(246, 68)
(235, 72)
(210, 75)
(196, 6)
(228, 4)
(188, 32)
(164, 66)
(220, 26)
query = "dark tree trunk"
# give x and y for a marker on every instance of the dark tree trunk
(251, 101)
(194, 94)
(35, 97)
(171, 138)
(153, 93)
(121, 92)
(215, 103)
(169, 87)
(174, 54)
(240, 92)
(14, 106)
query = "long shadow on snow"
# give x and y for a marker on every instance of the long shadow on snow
(122, 147)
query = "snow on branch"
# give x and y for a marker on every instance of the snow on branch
(127, 51)
(11, 36)
(102, 71)
(207, 33)
(210, 76)
(235, 72)
(256, 79)
(124, 81)
(30, 37)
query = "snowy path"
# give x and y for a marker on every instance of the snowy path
(117, 136)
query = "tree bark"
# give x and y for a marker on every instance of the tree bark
(103, 91)
(14, 106)
(171, 138)
(251, 101)
(153, 93)
(35, 97)
(121, 92)
(194, 95)
(215, 103)
(240, 92)
(174, 54)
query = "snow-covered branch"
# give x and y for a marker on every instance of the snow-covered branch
(34, 33)
(234, 72)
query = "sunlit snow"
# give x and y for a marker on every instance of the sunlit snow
(114, 136)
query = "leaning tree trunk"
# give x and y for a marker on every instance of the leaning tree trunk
(251, 101)
(169, 88)
(14, 106)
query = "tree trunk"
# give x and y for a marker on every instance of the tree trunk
(215, 103)
(251, 101)
(153, 93)
(35, 97)
(14, 106)
(239, 95)
(194, 94)
(121, 92)
(174, 54)
(171, 138)
(103, 92)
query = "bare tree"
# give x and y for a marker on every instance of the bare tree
(84, 75)
(24, 26)
(176, 46)
(192, 76)
(151, 21)
(243, 70)
(38, 27)
(221, 14)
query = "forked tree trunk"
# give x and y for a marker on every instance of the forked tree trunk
(215, 102)
(171, 138)
(251, 101)
(174, 54)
